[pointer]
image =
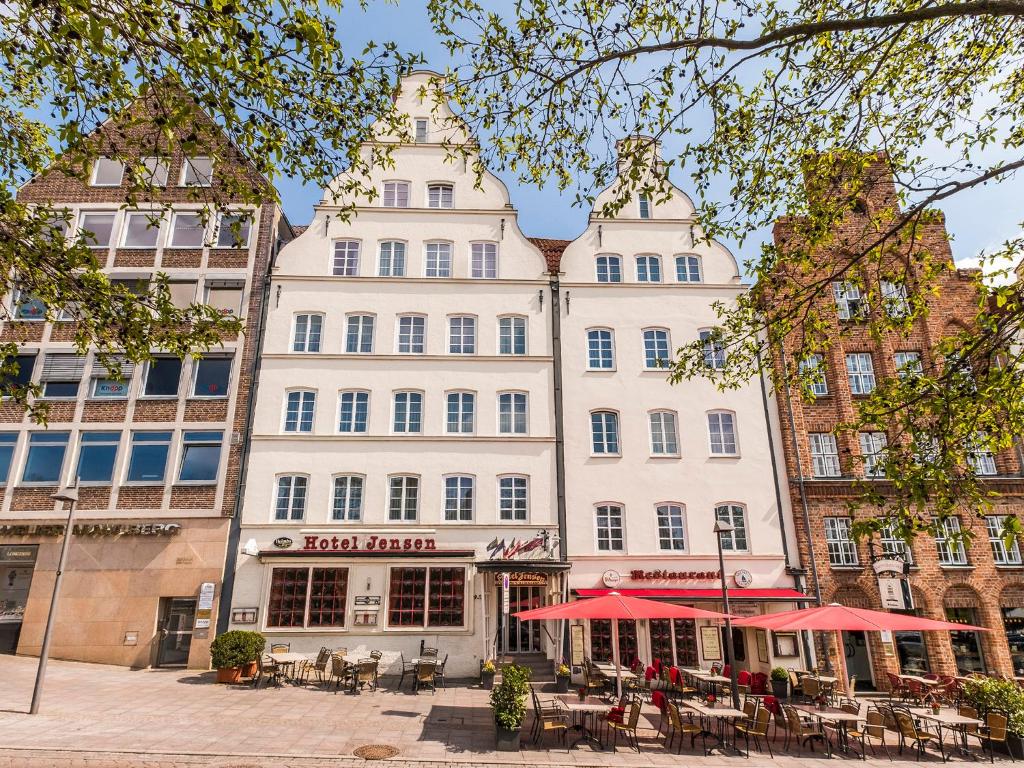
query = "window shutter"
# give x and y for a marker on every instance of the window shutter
(100, 371)
(63, 368)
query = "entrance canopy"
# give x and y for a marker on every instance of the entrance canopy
(837, 617)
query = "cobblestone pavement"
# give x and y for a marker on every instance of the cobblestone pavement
(95, 716)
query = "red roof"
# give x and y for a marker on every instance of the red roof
(701, 594)
(552, 250)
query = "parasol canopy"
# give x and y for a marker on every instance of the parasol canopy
(835, 617)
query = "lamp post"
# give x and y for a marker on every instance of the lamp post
(69, 495)
(730, 656)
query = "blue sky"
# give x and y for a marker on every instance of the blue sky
(978, 219)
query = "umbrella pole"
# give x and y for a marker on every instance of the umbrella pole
(841, 650)
(615, 657)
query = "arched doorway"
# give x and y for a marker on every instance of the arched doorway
(961, 605)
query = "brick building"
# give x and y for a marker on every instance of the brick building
(156, 457)
(981, 583)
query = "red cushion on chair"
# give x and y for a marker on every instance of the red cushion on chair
(673, 675)
(743, 677)
(772, 705)
(649, 673)
(725, 670)
(616, 715)
(658, 699)
(759, 683)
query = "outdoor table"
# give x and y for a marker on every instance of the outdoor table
(581, 711)
(719, 713)
(289, 659)
(838, 718)
(919, 679)
(953, 721)
(608, 670)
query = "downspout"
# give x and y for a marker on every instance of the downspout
(556, 365)
(235, 529)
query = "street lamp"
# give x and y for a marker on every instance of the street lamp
(70, 495)
(730, 655)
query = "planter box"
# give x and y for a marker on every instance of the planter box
(780, 689)
(1014, 746)
(561, 683)
(229, 675)
(487, 680)
(507, 741)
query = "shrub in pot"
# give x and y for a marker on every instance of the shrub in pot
(780, 683)
(487, 670)
(562, 676)
(235, 651)
(508, 700)
(986, 693)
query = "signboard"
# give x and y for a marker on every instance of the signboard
(244, 615)
(504, 593)
(206, 592)
(662, 575)
(368, 600)
(94, 529)
(611, 579)
(576, 652)
(18, 553)
(366, 544)
(282, 542)
(889, 566)
(893, 592)
(743, 608)
(521, 579)
(711, 643)
(762, 646)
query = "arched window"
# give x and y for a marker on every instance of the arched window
(512, 413)
(604, 429)
(514, 498)
(307, 332)
(648, 269)
(734, 515)
(512, 335)
(600, 349)
(391, 260)
(460, 417)
(438, 261)
(483, 261)
(346, 258)
(395, 194)
(440, 195)
(290, 499)
(459, 498)
(408, 412)
(353, 411)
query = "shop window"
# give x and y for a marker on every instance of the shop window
(233, 230)
(211, 377)
(966, 645)
(62, 375)
(601, 641)
(307, 597)
(200, 456)
(912, 653)
(1013, 624)
(427, 597)
(8, 442)
(148, 460)
(686, 642)
(45, 458)
(328, 590)
(162, 377)
(97, 453)
(661, 641)
(141, 229)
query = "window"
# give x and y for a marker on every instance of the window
(722, 430)
(645, 206)
(648, 269)
(439, 260)
(458, 498)
(396, 194)
(688, 269)
(462, 335)
(346, 258)
(290, 503)
(872, 451)
(197, 172)
(949, 542)
(225, 296)
(512, 413)
(141, 229)
(842, 549)
(359, 334)
(461, 407)
(300, 405)
(511, 335)
(421, 131)
(609, 269)
(61, 375)
(895, 546)
(183, 292)
(812, 371)
(980, 456)
(484, 260)
(162, 377)
(610, 535)
(849, 303)
(656, 353)
(431, 597)
(392, 259)
(96, 454)
(308, 330)
(26, 365)
(211, 376)
(307, 597)
(155, 171)
(671, 527)
(736, 539)
(187, 231)
(408, 412)
(1001, 553)
(894, 299)
(412, 330)
(348, 498)
(440, 195)
(148, 460)
(234, 230)
(403, 498)
(861, 373)
(907, 364)
(714, 351)
(97, 229)
(107, 172)
(28, 306)
(45, 457)
(664, 441)
(824, 454)
(604, 430)
(513, 498)
(353, 408)
(8, 441)
(200, 456)
(600, 353)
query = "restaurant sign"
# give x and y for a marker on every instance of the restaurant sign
(662, 575)
(94, 529)
(366, 544)
(521, 579)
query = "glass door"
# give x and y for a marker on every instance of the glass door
(17, 564)
(966, 645)
(523, 636)
(177, 617)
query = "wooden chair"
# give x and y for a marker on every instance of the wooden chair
(593, 680)
(757, 728)
(408, 668)
(993, 732)
(428, 652)
(340, 670)
(280, 647)
(909, 732)
(364, 673)
(547, 717)
(679, 727)
(629, 728)
(966, 710)
(440, 671)
(872, 732)
(269, 669)
(318, 667)
(805, 733)
(795, 683)
(425, 671)
(811, 687)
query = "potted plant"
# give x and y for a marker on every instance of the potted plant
(508, 700)
(487, 670)
(234, 652)
(562, 676)
(780, 683)
(582, 693)
(986, 694)
(710, 700)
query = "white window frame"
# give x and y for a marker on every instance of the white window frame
(1002, 555)
(737, 516)
(668, 544)
(290, 516)
(514, 395)
(187, 163)
(700, 267)
(714, 353)
(950, 555)
(894, 299)
(350, 262)
(513, 320)
(668, 348)
(481, 266)
(860, 377)
(872, 450)
(122, 241)
(813, 369)
(394, 411)
(391, 258)
(616, 422)
(907, 363)
(461, 393)
(611, 339)
(661, 414)
(350, 319)
(392, 187)
(850, 302)
(412, 333)
(94, 172)
(152, 164)
(464, 322)
(441, 186)
(609, 259)
(839, 544)
(174, 220)
(459, 511)
(512, 517)
(621, 527)
(355, 405)
(349, 477)
(421, 136)
(981, 460)
(405, 487)
(436, 268)
(649, 259)
(824, 451)
(81, 230)
(298, 421)
(735, 434)
(644, 206)
(242, 214)
(893, 546)
(307, 335)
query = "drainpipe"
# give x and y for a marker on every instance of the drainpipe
(235, 529)
(556, 365)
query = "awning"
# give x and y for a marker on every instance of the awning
(787, 595)
(522, 566)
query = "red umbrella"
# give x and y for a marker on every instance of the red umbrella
(835, 617)
(616, 606)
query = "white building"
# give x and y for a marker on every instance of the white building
(404, 420)
(649, 465)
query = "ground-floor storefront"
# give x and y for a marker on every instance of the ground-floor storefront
(135, 592)
(397, 592)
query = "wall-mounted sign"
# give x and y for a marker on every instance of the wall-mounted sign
(94, 529)
(282, 542)
(364, 600)
(661, 575)
(365, 618)
(611, 579)
(522, 579)
(244, 615)
(206, 592)
(367, 544)
(131, 638)
(890, 565)
(504, 593)
(895, 593)
(110, 388)
(540, 547)
(576, 651)
(711, 643)
(743, 578)
(18, 553)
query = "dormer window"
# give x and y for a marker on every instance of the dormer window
(107, 172)
(396, 194)
(440, 195)
(645, 207)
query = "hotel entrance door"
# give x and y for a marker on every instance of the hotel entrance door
(525, 591)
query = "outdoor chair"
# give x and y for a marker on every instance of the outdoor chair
(910, 733)
(280, 647)
(966, 710)
(614, 715)
(364, 673)
(408, 668)
(897, 688)
(757, 728)
(779, 717)
(339, 670)
(871, 733)
(340, 652)
(593, 680)
(915, 691)
(749, 710)
(429, 652)
(267, 668)
(759, 683)
(628, 728)
(681, 728)
(991, 733)
(318, 667)
(439, 671)
(811, 688)
(806, 733)
(425, 671)
(795, 683)
(547, 717)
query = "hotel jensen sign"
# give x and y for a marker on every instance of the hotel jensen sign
(366, 544)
